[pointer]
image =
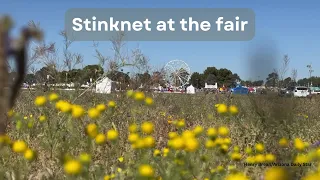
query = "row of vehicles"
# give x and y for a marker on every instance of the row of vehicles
(300, 91)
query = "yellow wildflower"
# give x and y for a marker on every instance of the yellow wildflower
(72, 167)
(85, 158)
(92, 130)
(223, 131)
(111, 104)
(259, 147)
(19, 146)
(100, 138)
(94, 113)
(148, 101)
(147, 127)
(139, 96)
(77, 111)
(112, 135)
(233, 110)
(29, 155)
(276, 173)
(40, 101)
(53, 97)
(101, 107)
(146, 170)
(222, 109)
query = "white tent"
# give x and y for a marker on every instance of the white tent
(104, 86)
(191, 90)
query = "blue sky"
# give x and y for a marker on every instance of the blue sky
(282, 27)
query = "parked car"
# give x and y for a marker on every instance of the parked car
(314, 90)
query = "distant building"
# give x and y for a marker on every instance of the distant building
(215, 86)
(105, 86)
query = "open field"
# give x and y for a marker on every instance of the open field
(60, 136)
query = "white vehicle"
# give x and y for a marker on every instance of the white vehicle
(300, 91)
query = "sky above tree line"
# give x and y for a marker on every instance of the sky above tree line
(282, 27)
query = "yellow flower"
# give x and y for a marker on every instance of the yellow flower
(107, 177)
(223, 131)
(259, 158)
(133, 137)
(299, 144)
(312, 176)
(53, 97)
(248, 150)
(72, 167)
(19, 146)
(29, 155)
(165, 151)
(147, 127)
(112, 135)
(250, 159)
(121, 159)
(191, 144)
(227, 141)
(212, 133)
(101, 107)
(119, 170)
(100, 138)
(130, 93)
(92, 130)
(173, 135)
(224, 148)
(94, 113)
(236, 149)
(133, 128)
(40, 101)
(233, 110)
(270, 158)
(178, 143)
(188, 134)
(180, 123)
(65, 107)
(148, 101)
(222, 109)
(111, 104)
(276, 173)
(156, 152)
(10, 113)
(301, 158)
(77, 111)
(4, 139)
(148, 142)
(42, 118)
(259, 147)
(210, 144)
(236, 176)
(197, 130)
(220, 168)
(139, 96)
(85, 158)
(236, 156)
(283, 142)
(146, 170)
(138, 144)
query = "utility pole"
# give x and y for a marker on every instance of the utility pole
(310, 73)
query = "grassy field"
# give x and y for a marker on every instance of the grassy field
(185, 137)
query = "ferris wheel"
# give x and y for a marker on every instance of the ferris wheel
(177, 73)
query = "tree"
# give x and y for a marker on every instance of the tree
(30, 78)
(91, 71)
(283, 70)
(197, 80)
(211, 79)
(70, 59)
(272, 79)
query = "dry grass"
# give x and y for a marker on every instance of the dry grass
(261, 119)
